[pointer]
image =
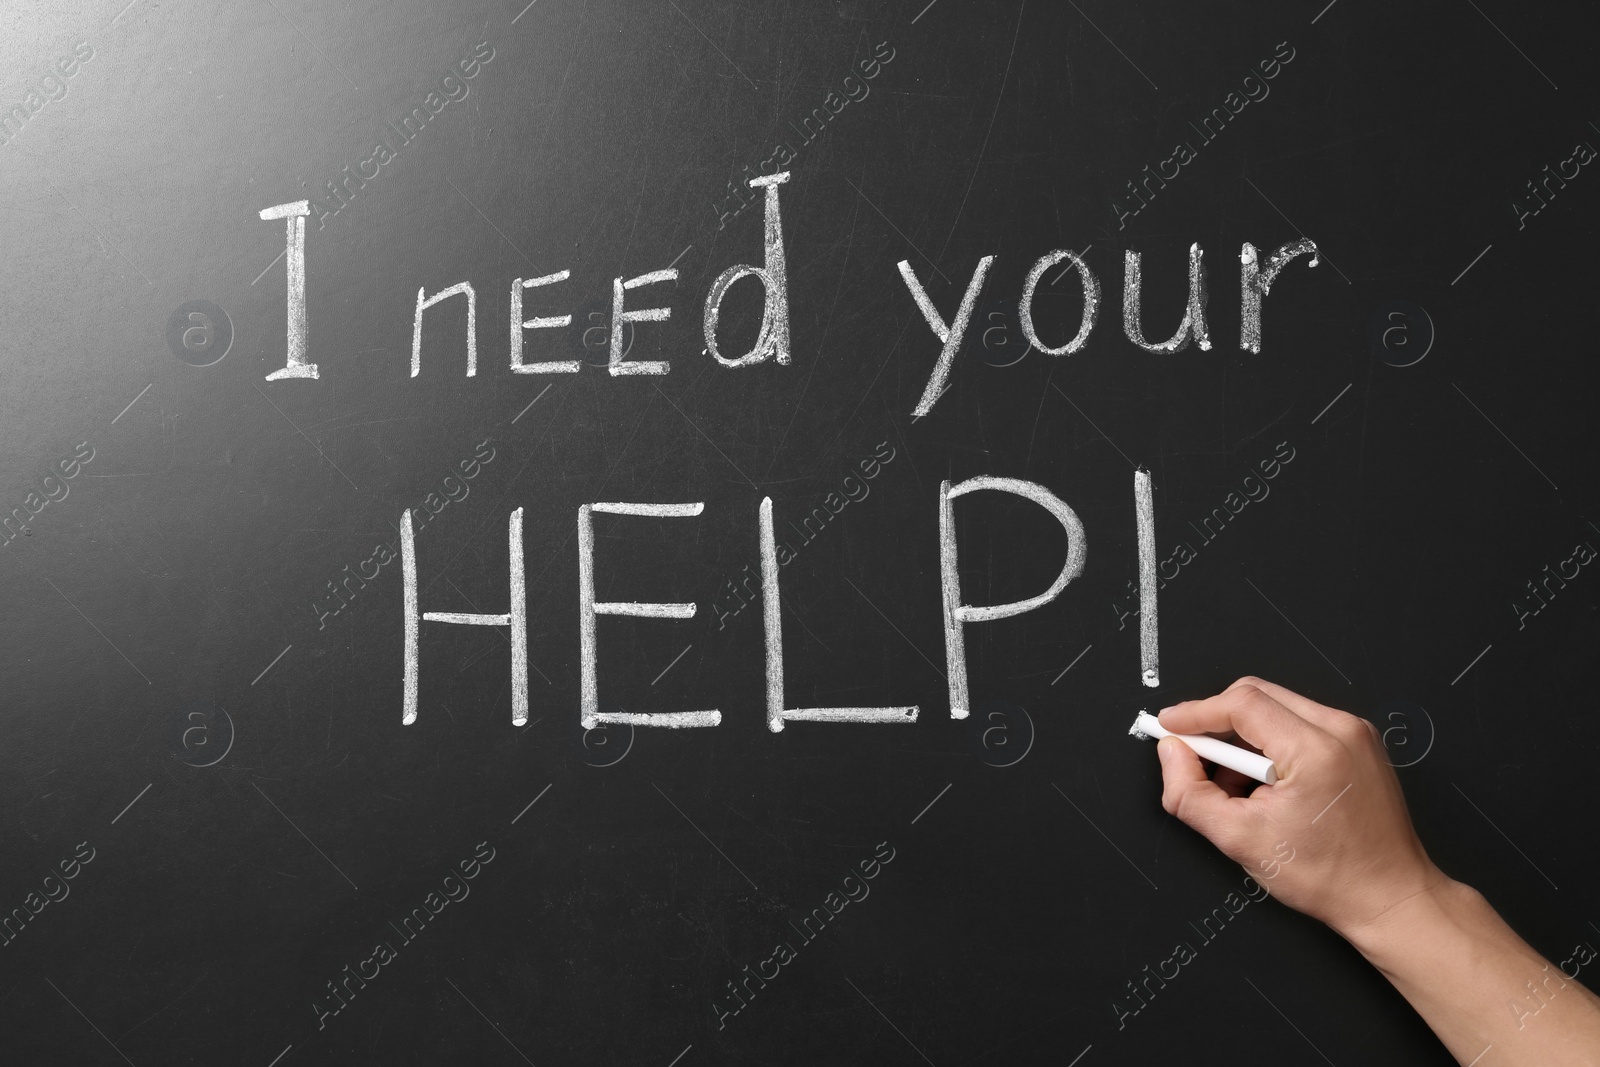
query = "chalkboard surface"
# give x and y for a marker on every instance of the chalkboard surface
(394, 390)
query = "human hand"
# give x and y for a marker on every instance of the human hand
(1332, 837)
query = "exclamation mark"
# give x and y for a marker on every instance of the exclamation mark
(1149, 660)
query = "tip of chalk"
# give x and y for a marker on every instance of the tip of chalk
(1138, 728)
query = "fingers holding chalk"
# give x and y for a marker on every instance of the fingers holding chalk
(1251, 713)
(1210, 748)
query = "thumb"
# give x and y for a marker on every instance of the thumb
(1190, 794)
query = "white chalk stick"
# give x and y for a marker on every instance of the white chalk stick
(1244, 761)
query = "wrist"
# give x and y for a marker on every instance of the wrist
(1439, 902)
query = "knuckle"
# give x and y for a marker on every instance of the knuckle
(1252, 699)
(1353, 729)
(1244, 696)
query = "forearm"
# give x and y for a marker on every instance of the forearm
(1489, 997)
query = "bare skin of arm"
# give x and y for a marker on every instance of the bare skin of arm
(1359, 867)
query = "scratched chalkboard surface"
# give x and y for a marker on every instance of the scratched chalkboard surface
(501, 498)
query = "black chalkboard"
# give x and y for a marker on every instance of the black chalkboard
(223, 843)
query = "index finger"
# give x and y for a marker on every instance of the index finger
(1311, 711)
(1251, 713)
